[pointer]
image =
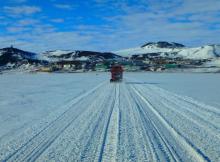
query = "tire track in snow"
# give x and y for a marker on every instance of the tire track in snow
(186, 111)
(204, 112)
(205, 107)
(80, 141)
(87, 141)
(93, 132)
(162, 151)
(35, 146)
(183, 118)
(192, 150)
(110, 141)
(138, 144)
(92, 139)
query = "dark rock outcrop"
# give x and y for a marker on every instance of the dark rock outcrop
(163, 44)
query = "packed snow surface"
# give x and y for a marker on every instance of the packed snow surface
(84, 117)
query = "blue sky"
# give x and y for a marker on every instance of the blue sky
(107, 25)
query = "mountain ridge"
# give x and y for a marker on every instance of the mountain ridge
(172, 49)
(156, 54)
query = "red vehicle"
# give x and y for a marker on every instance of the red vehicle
(116, 73)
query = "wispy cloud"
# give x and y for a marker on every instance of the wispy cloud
(21, 10)
(194, 6)
(57, 20)
(17, 1)
(64, 6)
(27, 22)
(16, 29)
(180, 21)
(112, 24)
(46, 41)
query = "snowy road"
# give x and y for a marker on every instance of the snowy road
(128, 121)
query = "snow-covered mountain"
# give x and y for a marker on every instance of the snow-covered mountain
(14, 55)
(66, 55)
(163, 45)
(159, 53)
(166, 49)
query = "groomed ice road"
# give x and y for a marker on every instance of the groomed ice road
(83, 117)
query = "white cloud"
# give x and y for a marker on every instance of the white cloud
(21, 10)
(179, 21)
(16, 29)
(7, 41)
(27, 22)
(201, 6)
(17, 1)
(186, 22)
(64, 6)
(57, 20)
(48, 41)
